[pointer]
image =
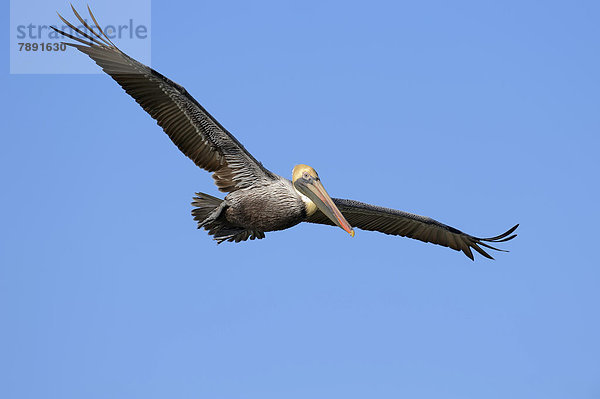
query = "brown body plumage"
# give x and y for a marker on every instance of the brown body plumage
(258, 200)
(250, 212)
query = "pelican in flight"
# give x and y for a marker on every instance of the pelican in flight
(258, 200)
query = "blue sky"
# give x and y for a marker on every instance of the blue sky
(480, 114)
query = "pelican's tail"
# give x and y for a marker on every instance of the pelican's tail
(204, 205)
(208, 212)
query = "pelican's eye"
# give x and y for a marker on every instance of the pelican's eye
(306, 176)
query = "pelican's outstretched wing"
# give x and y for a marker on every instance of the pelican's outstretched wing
(391, 221)
(193, 130)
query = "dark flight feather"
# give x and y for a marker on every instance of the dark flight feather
(399, 223)
(193, 130)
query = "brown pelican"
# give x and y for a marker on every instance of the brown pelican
(258, 200)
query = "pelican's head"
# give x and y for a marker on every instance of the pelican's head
(308, 185)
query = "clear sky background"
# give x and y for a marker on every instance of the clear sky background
(481, 114)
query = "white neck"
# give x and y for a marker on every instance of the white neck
(311, 207)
